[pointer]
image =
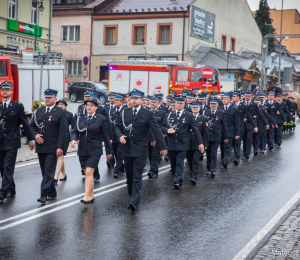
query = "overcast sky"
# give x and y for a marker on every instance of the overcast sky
(287, 4)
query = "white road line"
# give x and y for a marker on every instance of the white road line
(267, 228)
(62, 207)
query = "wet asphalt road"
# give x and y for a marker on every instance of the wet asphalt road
(213, 220)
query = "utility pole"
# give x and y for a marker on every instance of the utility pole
(279, 72)
(265, 46)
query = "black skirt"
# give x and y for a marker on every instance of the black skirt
(89, 161)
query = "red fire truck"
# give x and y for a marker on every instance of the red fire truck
(190, 77)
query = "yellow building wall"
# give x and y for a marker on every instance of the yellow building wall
(4, 8)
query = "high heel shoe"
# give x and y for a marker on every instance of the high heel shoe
(87, 201)
(64, 179)
(55, 181)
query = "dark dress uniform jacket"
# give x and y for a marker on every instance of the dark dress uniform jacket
(273, 108)
(261, 122)
(253, 110)
(286, 114)
(217, 125)
(90, 140)
(244, 113)
(202, 125)
(137, 138)
(54, 129)
(180, 140)
(10, 138)
(233, 121)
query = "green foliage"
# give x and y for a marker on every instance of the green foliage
(262, 16)
(35, 105)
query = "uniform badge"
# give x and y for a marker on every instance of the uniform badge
(50, 118)
(183, 120)
(216, 117)
(206, 124)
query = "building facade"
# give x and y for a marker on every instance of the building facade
(140, 29)
(23, 23)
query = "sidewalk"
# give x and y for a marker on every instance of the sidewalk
(25, 154)
(285, 242)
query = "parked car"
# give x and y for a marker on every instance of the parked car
(77, 89)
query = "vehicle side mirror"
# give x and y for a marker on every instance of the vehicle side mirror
(215, 83)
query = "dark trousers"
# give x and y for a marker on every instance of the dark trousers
(7, 168)
(154, 156)
(211, 155)
(278, 134)
(177, 165)
(257, 139)
(226, 150)
(237, 146)
(134, 167)
(263, 139)
(193, 158)
(247, 142)
(112, 159)
(271, 136)
(117, 149)
(48, 165)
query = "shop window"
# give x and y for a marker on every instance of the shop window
(12, 9)
(223, 42)
(110, 34)
(139, 33)
(164, 33)
(74, 67)
(71, 33)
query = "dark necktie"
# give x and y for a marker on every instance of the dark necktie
(117, 111)
(48, 111)
(89, 118)
(226, 108)
(4, 107)
(134, 113)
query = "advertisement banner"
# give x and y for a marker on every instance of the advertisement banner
(25, 28)
(202, 24)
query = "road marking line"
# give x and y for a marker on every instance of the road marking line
(267, 228)
(63, 207)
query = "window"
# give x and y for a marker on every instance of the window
(74, 67)
(75, 2)
(12, 10)
(3, 71)
(232, 44)
(139, 32)
(196, 75)
(110, 34)
(182, 75)
(164, 33)
(100, 85)
(223, 42)
(33, 12)
(71, 33)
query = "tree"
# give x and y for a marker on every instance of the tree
(262, 17)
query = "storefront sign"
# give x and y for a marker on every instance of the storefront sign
(202, 24)
(226, 77)
(136, 57)
(29, 29)
(248, 77)
(168, 58)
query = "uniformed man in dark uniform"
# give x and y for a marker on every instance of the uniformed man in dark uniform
(289, 106)
(153, 149)
(81, 108)
(196, 92)
(177, 126)
(217, 125)
(148, 107)
(116, 145)
(294, 111)
(132, 128)
(233, 125)
(168, 102)
(189, 100)
(11, 116)
(193, 154)
(111, 100)
(49, 127)
(144, 101)
(172, 94)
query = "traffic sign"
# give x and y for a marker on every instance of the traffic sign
(207, 72)
(85, 73)
(85, 60)
(85, 67)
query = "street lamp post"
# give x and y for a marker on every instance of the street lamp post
(279, 85)
(41, 8)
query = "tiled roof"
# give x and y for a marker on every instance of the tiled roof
(140, 6)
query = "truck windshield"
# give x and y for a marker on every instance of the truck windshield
(3, 71)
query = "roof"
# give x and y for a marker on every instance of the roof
(141, 6)
(93, 4)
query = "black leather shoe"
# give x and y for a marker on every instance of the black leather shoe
(96, 178)
(224, 166)
(247, 157)
(84, 201)
(256, 153)
(63, 179)
(42, 200)
(10, 194)
(149, 175)
(131, 207)
(212, 174)
(236, 162)
(263, 152)
(116, 176)
(176, 186)
(55, 181)
(193, 181)
(271, 147)
(279, 144)
(51, 198)
(90, 201)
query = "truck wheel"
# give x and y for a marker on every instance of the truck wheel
(73, 97)
(101, 100)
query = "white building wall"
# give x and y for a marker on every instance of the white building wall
(233, 18)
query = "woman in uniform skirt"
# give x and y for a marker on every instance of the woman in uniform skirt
(60, 160)
(89, 132)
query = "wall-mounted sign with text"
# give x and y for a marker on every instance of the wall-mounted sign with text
(202, 24)
(25, 28)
